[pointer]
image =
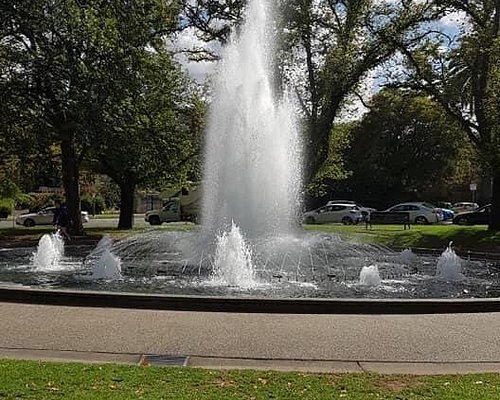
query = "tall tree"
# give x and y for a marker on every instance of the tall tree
(339, 43)
(464, 80)
(63, 58)
(151, 119)
(406, 148)
(325, 49)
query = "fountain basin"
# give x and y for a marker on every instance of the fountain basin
(247, 305)
(305, 266)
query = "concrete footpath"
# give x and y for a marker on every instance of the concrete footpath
(414, 344)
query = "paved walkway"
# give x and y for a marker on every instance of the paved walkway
(338, 343)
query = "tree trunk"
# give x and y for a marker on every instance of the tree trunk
(495, 203)
(127, 190)
(71, 175)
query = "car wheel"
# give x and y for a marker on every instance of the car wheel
(310, 220)
(421, 220)
(463, 221)
(347, 221)
(154, 220)
(29, 223)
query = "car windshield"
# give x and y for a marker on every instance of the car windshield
(428, 205)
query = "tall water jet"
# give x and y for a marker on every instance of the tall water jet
(252, 158)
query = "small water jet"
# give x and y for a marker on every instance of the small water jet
(104, 264)
(233, 260)
(49, 252)
(369, 276)
(108, 267)
(449, 266)
(408, 257)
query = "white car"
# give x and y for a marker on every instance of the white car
(43, 217)
(464, 206)
(346, 213)
(365, 211)
(420, 212)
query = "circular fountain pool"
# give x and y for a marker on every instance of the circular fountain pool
(304, 265)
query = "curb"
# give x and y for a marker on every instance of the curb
(247, 304)
(263, 364)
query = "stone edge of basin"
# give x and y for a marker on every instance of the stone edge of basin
(246, 304)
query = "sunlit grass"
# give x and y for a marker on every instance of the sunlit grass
(39, 380)
(474, 238)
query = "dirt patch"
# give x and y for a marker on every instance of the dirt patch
(396, 383)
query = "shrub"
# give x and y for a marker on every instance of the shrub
(4, 211)
(41, 200)
(93, 204)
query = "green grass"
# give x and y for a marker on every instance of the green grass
(39, 380)
(474, 238)
(34, 233)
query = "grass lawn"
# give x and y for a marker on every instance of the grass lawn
(37, 380)
(33, 234)
(473, 238)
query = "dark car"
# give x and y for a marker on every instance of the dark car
(480, 216)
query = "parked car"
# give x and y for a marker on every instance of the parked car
(346, 213)
(420, 212)
(464, 206)
(480, 216)
(447, 210)
(365, 211)
(43, 217)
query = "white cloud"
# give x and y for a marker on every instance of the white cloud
(185, 42)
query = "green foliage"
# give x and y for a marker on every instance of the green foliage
(5, 208)
(464, 80)
(93, 204)
(329, 48)
(333, 171)
(37, 201)
(71, 69)
(406, 148)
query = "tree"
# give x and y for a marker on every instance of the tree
(464, 80)
(340, 42)
(61, 58)
(406, 148)
(325, 49)
(151, 118)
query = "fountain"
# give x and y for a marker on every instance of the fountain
(250, 242)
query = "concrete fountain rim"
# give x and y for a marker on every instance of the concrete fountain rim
(163, 302)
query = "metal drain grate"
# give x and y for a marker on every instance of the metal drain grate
(163, 360)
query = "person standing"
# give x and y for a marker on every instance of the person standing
(61, 219)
